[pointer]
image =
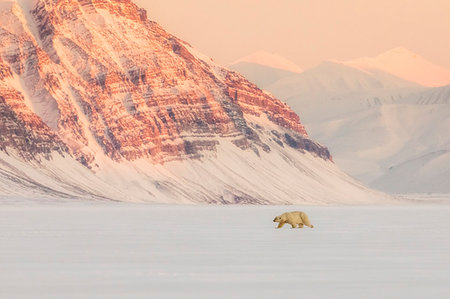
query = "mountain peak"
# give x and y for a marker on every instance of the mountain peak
(98, 102)
(271, 60)
(407, 65)
(399, 51)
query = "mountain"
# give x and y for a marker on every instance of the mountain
(336, 78)
(265, 68)
(97, 101)
(396, 146)
(270, 60)
(386, 131)
(407, 65)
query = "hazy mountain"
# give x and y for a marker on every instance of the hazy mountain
(265, 68)
(270, 60)
(405, 64)
(382, 128)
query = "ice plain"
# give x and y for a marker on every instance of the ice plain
(121, 250)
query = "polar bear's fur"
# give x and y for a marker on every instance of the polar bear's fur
(294, 219)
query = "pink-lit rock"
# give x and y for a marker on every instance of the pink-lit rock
(74, 73)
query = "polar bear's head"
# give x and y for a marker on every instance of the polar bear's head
(277, 219)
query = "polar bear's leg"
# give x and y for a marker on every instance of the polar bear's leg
(306, 220)
(280, 225)
(294, 225)
(300, 225)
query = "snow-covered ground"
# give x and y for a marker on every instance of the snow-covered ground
(110, 250)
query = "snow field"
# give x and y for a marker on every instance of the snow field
(98, 250)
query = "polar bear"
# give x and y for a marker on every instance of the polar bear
(294, 219)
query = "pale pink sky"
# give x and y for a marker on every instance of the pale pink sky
(308, 31)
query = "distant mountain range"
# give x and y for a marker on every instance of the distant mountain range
(379, 116)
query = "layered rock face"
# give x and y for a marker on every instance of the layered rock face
(75, 75)
(20, 128)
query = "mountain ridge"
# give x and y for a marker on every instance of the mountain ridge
(114, 107)
(405, 64)
(271, 60)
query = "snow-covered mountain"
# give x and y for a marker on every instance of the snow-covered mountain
(389, 132)
(336, 78)
(405, 64)
(270, 60)
(265, 68)
(399, 146)
(97, 101)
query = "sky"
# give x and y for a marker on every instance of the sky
(307, 31)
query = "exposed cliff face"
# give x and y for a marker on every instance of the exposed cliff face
(101, 72)
(97, 101)
(20, 128)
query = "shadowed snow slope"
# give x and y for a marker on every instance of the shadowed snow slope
(232, 177)
(399, 146)
(96, 101)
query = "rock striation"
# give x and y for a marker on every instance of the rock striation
(99, 102)
(75, 74)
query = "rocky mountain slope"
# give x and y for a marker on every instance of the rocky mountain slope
(98, 101)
